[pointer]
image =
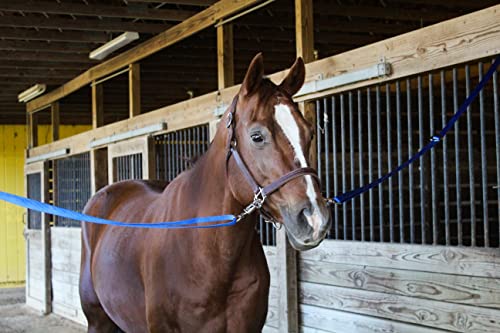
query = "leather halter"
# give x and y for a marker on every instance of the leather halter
(260, 193)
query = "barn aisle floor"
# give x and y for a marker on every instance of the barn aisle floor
(16, 317)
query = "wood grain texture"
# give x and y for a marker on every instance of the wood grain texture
(480, 262)
(55, 120)
(134, 89)
(320, 320)
(97, 105)
(225, 56)
(440, 315)
(477, 291)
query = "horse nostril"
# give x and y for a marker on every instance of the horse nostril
(307, 211)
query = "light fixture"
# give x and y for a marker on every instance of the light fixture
(113, 45)
(31, 93)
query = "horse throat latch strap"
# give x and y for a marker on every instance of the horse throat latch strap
(260, 193)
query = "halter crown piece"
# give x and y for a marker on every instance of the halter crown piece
(260, 193)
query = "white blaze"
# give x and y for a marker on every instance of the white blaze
(286, 121)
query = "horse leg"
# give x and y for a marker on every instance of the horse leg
(97, 318)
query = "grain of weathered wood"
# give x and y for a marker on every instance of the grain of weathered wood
(441, 315)
(320, 320)
(225, 56)
(55, 117)
(134, 89)
(286, 261)
(97, 105)
(99, 167)
(477, 291)
(481, 262)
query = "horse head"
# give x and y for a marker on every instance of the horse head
(273, 139)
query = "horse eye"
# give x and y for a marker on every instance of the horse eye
(257, 137)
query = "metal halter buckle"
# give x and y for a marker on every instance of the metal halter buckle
(259, 198)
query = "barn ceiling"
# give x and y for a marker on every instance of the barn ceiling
(48, 41)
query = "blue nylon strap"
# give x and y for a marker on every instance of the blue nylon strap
(339, 199)
(192, 223)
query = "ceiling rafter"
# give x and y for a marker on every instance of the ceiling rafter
(54, 35)
(95, 10)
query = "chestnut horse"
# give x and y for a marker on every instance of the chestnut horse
(205, 280)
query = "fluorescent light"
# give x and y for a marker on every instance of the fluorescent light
(127, 135)
(113, 45)
(31, 93)
(381, 69)
(43, 157)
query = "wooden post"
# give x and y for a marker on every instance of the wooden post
(134, 89)
(54, 114)
(97, 105)
(225, 62)
(32, 130)
(288, 302)
(98, 169)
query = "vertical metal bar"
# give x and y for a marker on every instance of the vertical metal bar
(351, 164)
(470, 149)
(326, 129)
(400, 160)
(379, 164)
(267, 233)
(318, 139)
(458, 181)
(335, 171)
(360, 163)
(445, 161)
(497, 139)
(422, 161)
(389, 159)
(484, 166)
(410, 167)
(433, 165)
(370, 160)
(342, 153)
(190, 145)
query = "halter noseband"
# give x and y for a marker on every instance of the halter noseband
(260, 193)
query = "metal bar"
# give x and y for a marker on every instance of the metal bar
(351, 164)
(379, 164)
(389, 160)
(342, 153)
(446, 189)
(335, 171)
(361, 169)
(234, 17)
(458, 181)
(433, 165)
(410, 167)
(400, 160)
(484, 167)
(318, 140)
(370, 161)
(109, 77)
(422, 161)
(470, 149)
(497, 139)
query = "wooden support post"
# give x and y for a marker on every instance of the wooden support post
(288, 314)
(98, 169)
(225, 59)
(134, 91)
(46, 247)
(32, 130)
(97, 105)
(54, 115)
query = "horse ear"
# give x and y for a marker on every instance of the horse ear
(295, 78)
(254, 75)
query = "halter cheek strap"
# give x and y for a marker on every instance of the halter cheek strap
(260, 193)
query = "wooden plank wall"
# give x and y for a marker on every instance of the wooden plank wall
(272, 322)
(65, 255)
(360, 287)
(35, 282)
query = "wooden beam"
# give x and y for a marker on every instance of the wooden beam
(53, 35)
(97, 105)
(225, 62)
(81, 24)
(55, 119)
(181, 31)
(134, 92)
(96, 10)
(63, 47)
(204, 3)
(304, 29)
(99, 167)
(32, 130)
(61, 73)
(52, 56)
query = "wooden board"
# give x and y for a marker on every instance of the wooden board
(477, 291)
(320, 320)
(480, 262)
(441, 315)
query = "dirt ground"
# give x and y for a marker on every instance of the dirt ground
(16, 317)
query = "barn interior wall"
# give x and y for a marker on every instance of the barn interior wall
(12, 218)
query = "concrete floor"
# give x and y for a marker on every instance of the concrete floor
(16, 317)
